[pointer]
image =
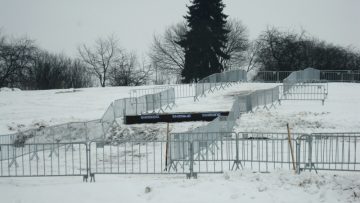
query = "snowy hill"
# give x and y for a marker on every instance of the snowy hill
(28, 109)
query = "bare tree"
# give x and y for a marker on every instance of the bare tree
(52, 71)
(251, 60)
(128, 72)
(78, 76)
(237, 44)
(168, 57)
(166, 54)
(289, 50)
(16, 59)
(101, 57)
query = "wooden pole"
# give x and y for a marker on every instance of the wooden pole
(291, 146)
(167, 146)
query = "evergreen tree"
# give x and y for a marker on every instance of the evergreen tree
(205, 39)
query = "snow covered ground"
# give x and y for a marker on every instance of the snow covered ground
(341, 113)
(240, 186)
(26, 109)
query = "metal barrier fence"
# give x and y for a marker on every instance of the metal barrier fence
(328, 151)
(303, 76)
(340, 76)
(271, 76)
(265, 98)
(181, 90)
(208, 84)
(327, 75)
(186, 153)
(138, 157)
(66, 159)
(236, 153)
(244, 103)
(267, 151)
(217, 81)
(7, 139)
(57, 134)
(149, 103)
(89, 130)
(304, 92)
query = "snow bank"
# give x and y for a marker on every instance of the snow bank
(6, 89)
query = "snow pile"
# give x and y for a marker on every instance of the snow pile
(155, 131)
(7, 89)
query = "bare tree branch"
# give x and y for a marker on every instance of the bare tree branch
(102, 56)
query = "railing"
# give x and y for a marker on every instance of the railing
(85, 131)
(271, 76)
(328, 151)
(340, 76)
(149, 103)
(328, 75)
(138, 157)
(208, 84)
(181, 90)
(299, 77)
(189, 154)
(218, 81)
(44, 159)
(307, 92)
(58, 134)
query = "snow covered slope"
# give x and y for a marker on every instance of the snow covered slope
(26, 109)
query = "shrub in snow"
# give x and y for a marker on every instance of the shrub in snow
(147, 189)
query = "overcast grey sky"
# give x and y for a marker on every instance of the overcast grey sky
(62, 25)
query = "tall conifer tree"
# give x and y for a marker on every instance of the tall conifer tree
(205, 39)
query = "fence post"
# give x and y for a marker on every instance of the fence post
(297, 156)
(153, 102)
(124, 110)
(309, 163)
(160, 103)
(87, 148)
(167, 147)
(265, 101)
(203, 89)
(113, 108)
(291, 146)
(168, 98)
(191, 173)
(136, 105)
(237, 162)
(102, 126)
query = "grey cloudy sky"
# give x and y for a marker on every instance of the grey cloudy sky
(62, 25)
